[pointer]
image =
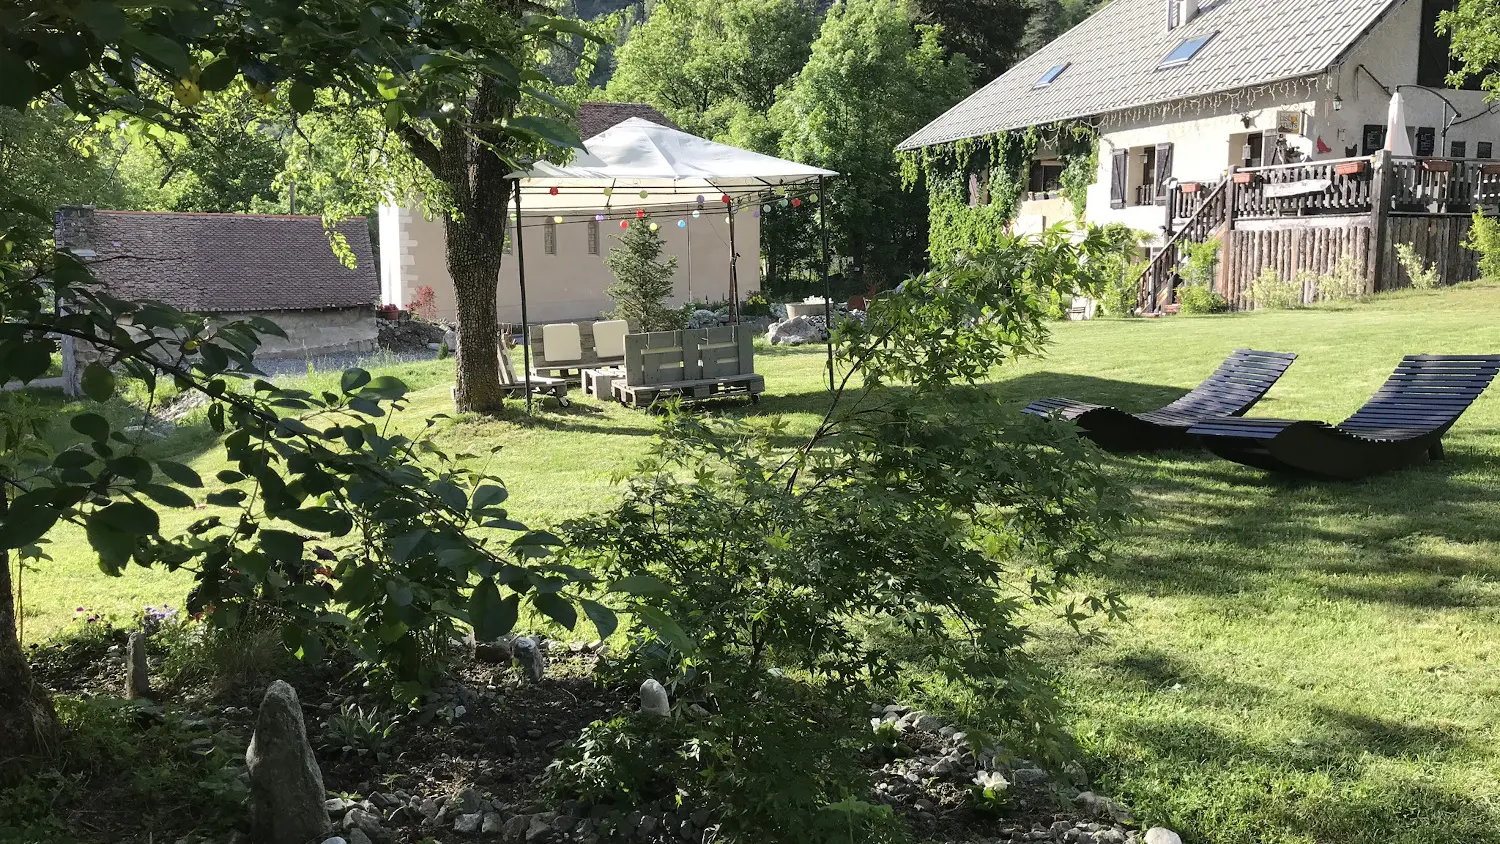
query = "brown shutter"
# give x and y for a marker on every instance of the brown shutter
(1119, 176)
(1163, 168)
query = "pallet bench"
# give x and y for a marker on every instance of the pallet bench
(692, 365)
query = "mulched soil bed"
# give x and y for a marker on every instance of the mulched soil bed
(474, 757)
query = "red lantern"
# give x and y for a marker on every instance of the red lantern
(796, 203)
(725, 199)
(553, 191)
(640, 215)
(624, 224)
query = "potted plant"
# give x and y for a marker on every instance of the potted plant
(1351, 168)
(1437, 165)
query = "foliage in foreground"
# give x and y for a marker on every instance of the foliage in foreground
(1484, 238)
(912, 529)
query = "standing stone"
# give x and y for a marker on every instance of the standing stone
(497, 652)
(1162, 835)
(286, 785)
(654, 700)
(137, 676)
(529, 655)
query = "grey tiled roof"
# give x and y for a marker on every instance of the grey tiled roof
(217, 263)
(1112, 59)
(594, 118)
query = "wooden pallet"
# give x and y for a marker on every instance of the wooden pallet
(738, 385)
(600, 382)
(541, 385)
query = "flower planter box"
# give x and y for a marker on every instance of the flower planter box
(1244, 178)
(1350, 168)
(1437, 165)
(1190, 187)
(1490, 169)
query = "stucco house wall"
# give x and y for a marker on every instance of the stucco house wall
(567, 286)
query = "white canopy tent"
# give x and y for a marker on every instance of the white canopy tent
(640, 168)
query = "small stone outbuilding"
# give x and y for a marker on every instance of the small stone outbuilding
(234, 266)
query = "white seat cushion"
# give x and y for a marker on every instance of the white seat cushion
(609, 339)
(562, 343)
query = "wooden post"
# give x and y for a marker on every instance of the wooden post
(1172, 193)
(1380, 212)
(1228, 255)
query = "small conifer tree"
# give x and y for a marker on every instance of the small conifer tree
(643, 281)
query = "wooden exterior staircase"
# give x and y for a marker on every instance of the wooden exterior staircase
(1157, 284)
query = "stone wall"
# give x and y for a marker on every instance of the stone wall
(317, 332)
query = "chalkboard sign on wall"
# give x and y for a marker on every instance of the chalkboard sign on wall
(1374, 138)
(1426, 141)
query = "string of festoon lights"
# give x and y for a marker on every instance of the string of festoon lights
(693, 207)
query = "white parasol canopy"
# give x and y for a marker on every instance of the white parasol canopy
(671, 167)
(1397, 142)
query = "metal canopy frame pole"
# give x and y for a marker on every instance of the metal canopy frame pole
(827, 290)
(521, 275)
(734, 273)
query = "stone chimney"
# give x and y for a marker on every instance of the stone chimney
(71, 229)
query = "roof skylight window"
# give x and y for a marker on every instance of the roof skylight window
(1185, 51)
(1051, 76)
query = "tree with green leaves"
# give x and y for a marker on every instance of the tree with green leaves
(990, 33)
(406, 544)
(643, 281)
(713, 66)
(874, 77)
(1474, 27)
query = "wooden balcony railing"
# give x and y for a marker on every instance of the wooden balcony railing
(1343, 186)
(1444, 185)
(1158, 283)
(1149, 195)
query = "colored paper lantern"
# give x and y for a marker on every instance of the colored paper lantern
(784, 203)
(557, 220)
(609, 191)
(796, 203)
(700, 199)
(645, 193)
(756, 214)
(640, 214)
(814, 198)
(697, 214)
(598, 218)
(766, 208)
(682, 224)
(654, 227)
(624, 224)
(725, 199)
(553, 191)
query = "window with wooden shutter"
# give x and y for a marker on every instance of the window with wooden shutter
(1119, 176)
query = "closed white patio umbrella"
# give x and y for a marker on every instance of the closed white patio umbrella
(1397, 141)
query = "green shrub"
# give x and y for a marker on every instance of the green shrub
(1345, 283)
(1273, 293)
(643, 281)
(1423, 276)
(921, 508)
(1484, 238)
(1200, 299)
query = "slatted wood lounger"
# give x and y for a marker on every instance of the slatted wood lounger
(1242, 380)
(541, 385)
(1402, 424)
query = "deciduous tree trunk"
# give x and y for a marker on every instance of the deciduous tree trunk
(27, 720)
(474, 264)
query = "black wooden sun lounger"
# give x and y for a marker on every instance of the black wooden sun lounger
(1403, 423)
(1232, 390)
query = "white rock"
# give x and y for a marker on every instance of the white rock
(1162, 835)
(654, 699)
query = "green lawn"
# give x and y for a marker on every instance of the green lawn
(1305, 662)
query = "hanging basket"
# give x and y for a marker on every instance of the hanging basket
(1437, 165)
(1190, 187)
(1351, 168)
(1244, 178)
